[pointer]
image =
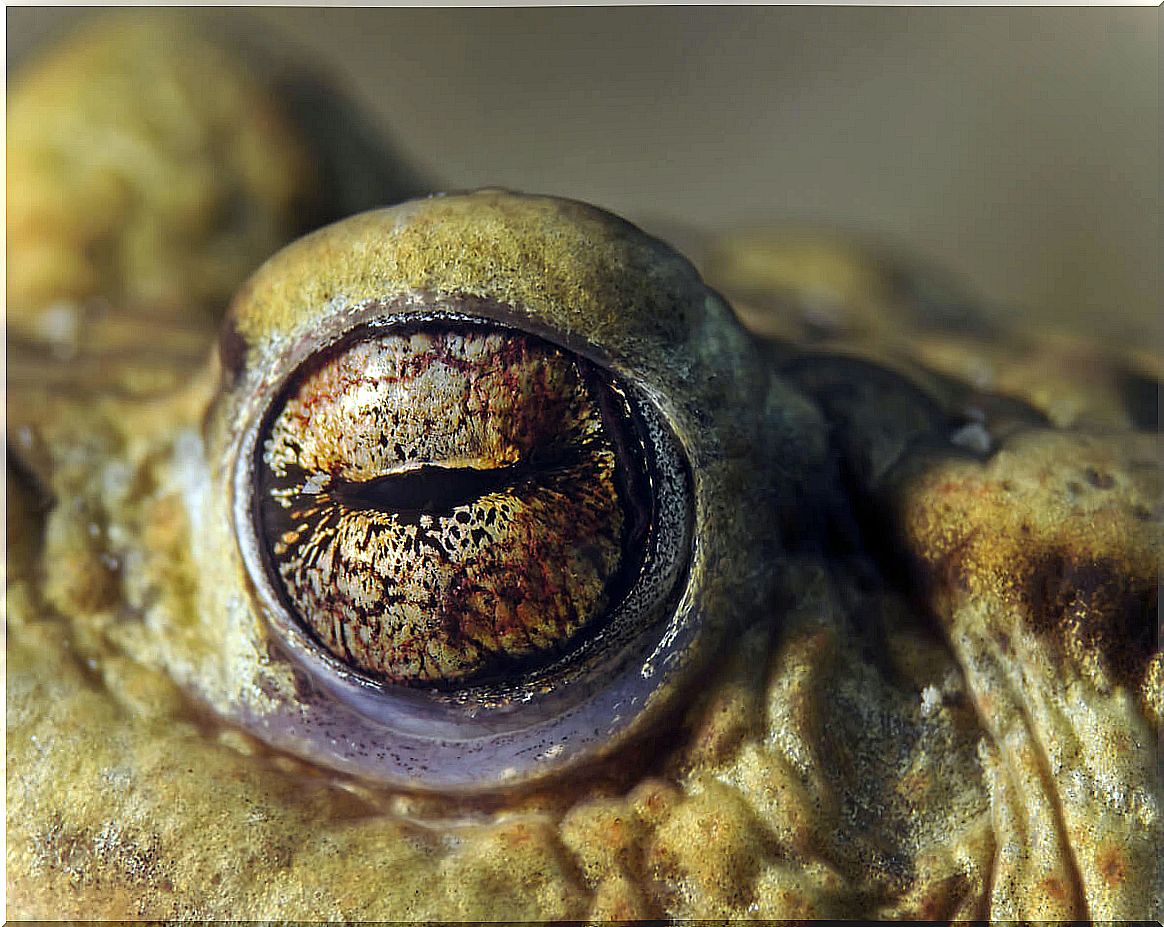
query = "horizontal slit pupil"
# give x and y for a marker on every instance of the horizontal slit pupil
(429, 489)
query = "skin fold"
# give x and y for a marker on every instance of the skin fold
(922, 677)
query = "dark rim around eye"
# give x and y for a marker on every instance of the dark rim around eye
(638, 449)
(480, 734)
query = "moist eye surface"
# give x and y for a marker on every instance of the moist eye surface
(441, 504)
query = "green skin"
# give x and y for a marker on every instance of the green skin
(841, 753)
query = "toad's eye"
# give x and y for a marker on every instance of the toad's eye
(441, 504)
(488, 491)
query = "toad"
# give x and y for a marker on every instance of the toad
(485, 562)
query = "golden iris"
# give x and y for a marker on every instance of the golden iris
(444, 501)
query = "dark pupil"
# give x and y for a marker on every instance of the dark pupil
(446, 505)
(434, 490)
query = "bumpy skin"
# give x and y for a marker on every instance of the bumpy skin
(943, 698)
(145, 166)
(150, 170)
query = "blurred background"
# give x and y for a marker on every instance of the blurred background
(1019, 147)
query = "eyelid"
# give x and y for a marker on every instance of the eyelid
(555, 268)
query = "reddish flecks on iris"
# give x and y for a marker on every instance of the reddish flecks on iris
(449, 588)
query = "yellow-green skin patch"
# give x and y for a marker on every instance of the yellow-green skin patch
(781, 786)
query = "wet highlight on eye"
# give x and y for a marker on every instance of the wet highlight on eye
(444, 503)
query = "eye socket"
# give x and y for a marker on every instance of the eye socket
(471, 540)
(616, 439)
(448, 503)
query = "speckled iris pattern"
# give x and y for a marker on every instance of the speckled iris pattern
(442, 501)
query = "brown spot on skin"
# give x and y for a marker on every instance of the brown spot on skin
(945, 899)
(89, 857)
(654, 799)
(1005, 645)
(1111, 864)
(516, 836)
(954, 569)
(1054, 888)
(1097, 479)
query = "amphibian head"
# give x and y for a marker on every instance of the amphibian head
(490, 568)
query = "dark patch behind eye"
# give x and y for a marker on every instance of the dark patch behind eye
(1141, 396)
(232, 351)
(357, 169)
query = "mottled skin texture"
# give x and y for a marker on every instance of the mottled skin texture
(160, 180)
(942, 699)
